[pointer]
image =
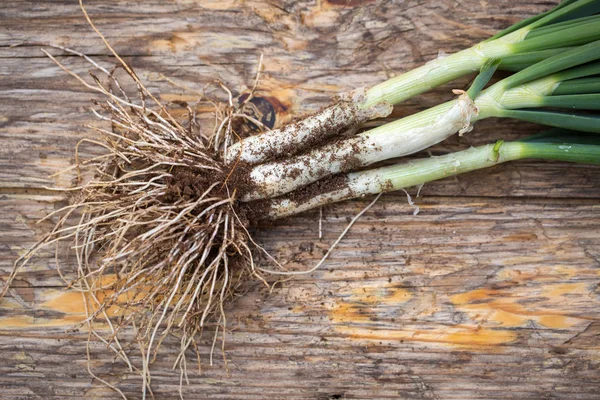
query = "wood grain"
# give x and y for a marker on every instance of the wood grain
(491, 292)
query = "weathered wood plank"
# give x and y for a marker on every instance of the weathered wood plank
(492, 291)
(462, 309)
(546, 367)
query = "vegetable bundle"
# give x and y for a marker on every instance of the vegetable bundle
(168, 209)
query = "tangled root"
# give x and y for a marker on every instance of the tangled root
(157, 231)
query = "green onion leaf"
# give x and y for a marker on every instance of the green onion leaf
(578, 86)
(517, 62)
(567, 10)
(538, 20)
(557, 135)
(560, 26)
(578, 122)
(582, 71)
(572, 35)
(487, 71)
(572, 58)
(577, 101)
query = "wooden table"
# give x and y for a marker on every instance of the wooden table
(491, 291)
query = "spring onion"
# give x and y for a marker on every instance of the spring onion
(527, 95)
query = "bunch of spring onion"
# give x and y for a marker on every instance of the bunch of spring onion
(167, 211)
(557, 84)
(561, 91)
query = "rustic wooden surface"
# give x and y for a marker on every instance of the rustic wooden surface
(491, 291)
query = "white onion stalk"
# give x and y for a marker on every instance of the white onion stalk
(319, 126)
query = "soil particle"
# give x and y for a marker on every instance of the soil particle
(187, 184)
(343, 114)
(326, 185)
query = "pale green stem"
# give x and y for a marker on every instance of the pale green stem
(442, 70)
(401, 176)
